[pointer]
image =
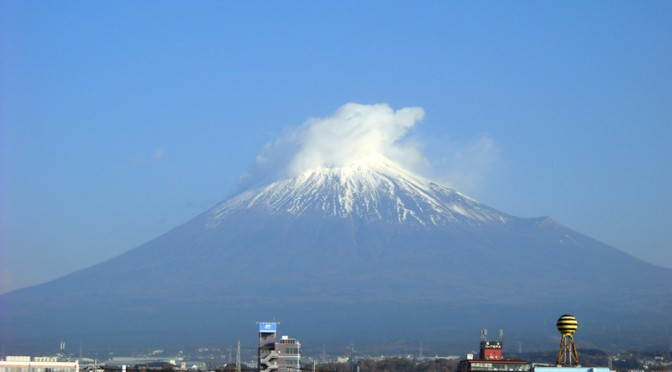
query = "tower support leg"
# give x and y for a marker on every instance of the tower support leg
(568, 356)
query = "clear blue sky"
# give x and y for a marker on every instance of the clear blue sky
(122, 119)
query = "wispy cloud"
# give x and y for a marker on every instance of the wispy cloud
(148, 157)
(466, 166)
(7, 282)
(157, 154)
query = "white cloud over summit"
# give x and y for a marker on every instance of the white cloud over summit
(356, 134)
(362, 135)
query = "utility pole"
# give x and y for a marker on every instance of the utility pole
(238, 357)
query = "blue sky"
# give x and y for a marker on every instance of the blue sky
(120, 120)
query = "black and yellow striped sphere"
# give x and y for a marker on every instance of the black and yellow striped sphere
(567, 325)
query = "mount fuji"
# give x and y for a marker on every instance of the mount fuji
(361, 251)
(367, 252)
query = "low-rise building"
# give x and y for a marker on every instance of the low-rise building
(289, 354)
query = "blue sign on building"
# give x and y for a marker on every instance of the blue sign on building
(267, 327)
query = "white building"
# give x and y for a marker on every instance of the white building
(25, 364)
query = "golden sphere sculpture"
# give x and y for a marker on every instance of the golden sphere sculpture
(567, 325)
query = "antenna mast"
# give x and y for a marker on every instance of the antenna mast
(238, 357)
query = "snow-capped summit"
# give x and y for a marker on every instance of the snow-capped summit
(373, 191)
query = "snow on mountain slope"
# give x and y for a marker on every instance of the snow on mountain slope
(380, 191)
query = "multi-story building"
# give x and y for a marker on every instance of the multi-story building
(282, 355)
(267, 355)
(289, 354)
(25, 364)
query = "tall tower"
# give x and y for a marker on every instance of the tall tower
(568, 356)
(268, 356)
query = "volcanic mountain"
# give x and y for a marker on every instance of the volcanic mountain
(364, 253)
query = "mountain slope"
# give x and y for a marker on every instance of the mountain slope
(353, 249)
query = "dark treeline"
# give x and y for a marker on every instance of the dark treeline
(370, 365)
(632, 360)
(389, 365)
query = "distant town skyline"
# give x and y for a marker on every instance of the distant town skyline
(120, 121)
